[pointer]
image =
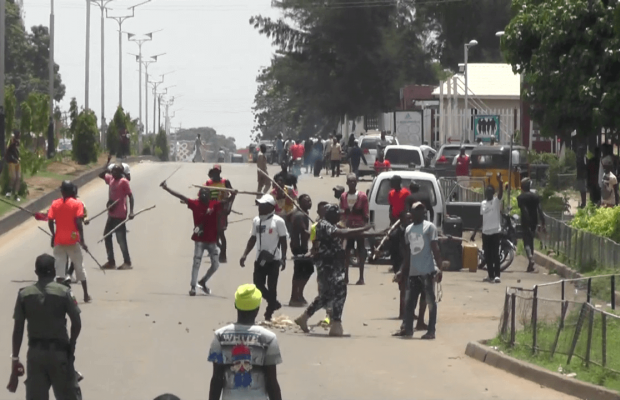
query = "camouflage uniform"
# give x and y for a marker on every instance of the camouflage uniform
(49, 362)
(330, 266)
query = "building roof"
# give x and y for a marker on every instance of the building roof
(488, 81)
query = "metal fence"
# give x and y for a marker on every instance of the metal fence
(470, 190)
(582, 249)
(563, 329)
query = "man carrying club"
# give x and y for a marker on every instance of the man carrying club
(216, 180)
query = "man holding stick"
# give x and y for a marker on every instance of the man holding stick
(119, 192)
(216, 180)
(206, 212)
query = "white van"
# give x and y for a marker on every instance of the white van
(369, 144)
(378, 196)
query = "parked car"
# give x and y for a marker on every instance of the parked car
(446, 154)
(369, 144)
(378, 195)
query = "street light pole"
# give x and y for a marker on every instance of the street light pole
(87, 61)
(50, 60)
(102, 5)
(120, 21)
(472, 43)
(155, 86)
(140, 40)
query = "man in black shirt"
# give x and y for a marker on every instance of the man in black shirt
(582, 174)
(300, 235)
(418, 194)
(12, 161)
(289, 179)
(529, 204)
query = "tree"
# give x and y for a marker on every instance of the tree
(10, 104)
(85, 134)
(38, 104)
(121, 122)
(161, 145)
(567, 51)
(73, 114)
(25, 124)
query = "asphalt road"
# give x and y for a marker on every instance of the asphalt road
(144, 336)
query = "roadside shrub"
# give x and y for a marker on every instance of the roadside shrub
(600, 221)
(85, 146)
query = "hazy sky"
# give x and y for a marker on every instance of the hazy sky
(209, 44)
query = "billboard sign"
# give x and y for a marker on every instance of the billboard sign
(486, 127)
(408, 127)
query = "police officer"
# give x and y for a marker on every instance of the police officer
(45, 306)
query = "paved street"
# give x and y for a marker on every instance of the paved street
(143, 335)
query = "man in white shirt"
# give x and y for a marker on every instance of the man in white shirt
(608, 183)
(491, 211)
(245, 355)
(270, 232)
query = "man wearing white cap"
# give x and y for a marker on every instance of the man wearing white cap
(270, 232)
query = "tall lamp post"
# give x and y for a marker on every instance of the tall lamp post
(466, 47)
(155, 86)
(120, 20)
(140, 40)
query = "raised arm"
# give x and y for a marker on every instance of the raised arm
(105, 168)
(172, 192)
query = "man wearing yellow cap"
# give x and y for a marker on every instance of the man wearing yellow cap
(245, 355)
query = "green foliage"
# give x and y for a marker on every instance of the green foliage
(121, 121)
(10, 106)
(39, 106)
(73, 114)
(565, 49)
(600, 221)
(85, 134)
(161, 145)
(5, 184)
(25, 124)
(557, 168)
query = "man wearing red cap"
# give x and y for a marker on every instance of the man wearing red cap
(245, 355)
(216, 180)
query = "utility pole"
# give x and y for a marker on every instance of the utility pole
(102, 6)
(50, 127)
(120, 21)
(155, 86)
(87, 61)
(140, 40)
(2, 61)
(161, 94)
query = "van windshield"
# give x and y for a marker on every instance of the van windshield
(384, 190)
(403, 156)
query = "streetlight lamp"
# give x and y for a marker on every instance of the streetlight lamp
(140, 40)
(120, 21)
(471, 43)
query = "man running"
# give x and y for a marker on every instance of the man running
(206, 212)
(330, 266)
(244, 354)
(354, 204)
(529, 204)
(68, 235)
(419, 270)
(119, 192)
(216, 180)
(270, 232)
(303, 266)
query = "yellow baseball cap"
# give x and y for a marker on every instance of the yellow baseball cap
(248, 297)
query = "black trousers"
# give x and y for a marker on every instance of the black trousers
(335, 168)
(490, 246)
(528, 238)
(266, 280)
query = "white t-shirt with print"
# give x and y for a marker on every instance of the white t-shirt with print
(244, 350)
(351, 200)
(491, 216)
(268, 230)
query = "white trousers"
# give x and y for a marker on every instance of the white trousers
(73, 252)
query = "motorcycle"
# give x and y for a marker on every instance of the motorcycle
(507, 243)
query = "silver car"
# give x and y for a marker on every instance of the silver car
(369, 145)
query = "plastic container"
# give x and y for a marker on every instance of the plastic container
(470, 256)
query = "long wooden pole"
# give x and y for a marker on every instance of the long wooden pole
(286, 194)
(102, 212)
(87, 252)
(221, 189)
(124, 222)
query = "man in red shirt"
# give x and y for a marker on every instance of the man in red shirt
(354, 204)
(206, 214)
(119, 192)
(397, 198)
(68, 235)
(216, 180)
(462, 165)
(381, 165)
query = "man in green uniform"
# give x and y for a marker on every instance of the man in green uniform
(45, 306)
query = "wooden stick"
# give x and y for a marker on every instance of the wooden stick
(241, 220)
(175, 171)
(385, 238)
(227, 190)
(104, 211)
(16, 206)
(124, 222)
(236, 212)
(286, 194)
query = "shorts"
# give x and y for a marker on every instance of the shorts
(303, 269)
(581, 185)
(15, 170)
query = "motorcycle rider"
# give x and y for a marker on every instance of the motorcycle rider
(491, 211)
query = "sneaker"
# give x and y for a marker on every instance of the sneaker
(109, 265)
(269, 314)
(497, 280)
(192, 292)
(402, 333)
(67, 281)
(125, 266)
(428, 336)
(203, 286)
(487, 279)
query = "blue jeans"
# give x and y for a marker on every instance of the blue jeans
(121, 238)
(421, 284)
(214, 255)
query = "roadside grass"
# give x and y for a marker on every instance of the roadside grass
(546, 334)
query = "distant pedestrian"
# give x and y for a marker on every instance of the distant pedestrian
(285, 197)
(582, 174)
(330, 266)
(206, 212)
(279, 147)
(327, 154)
(462, 167)
(397, 198)
(119, 192)
(317, 156)
(381, 165)
(13, 162)
(593, 175)
(51, 351)
(609, 182)
(423, 196)
(491, 211)
(336, 156)
(303, 266)
(420, 271)
(270, 232)
(65, 223)
(261, 164)
(198, 153)
(531, 212)
(244, 354)
(356, 155)
(308, 162)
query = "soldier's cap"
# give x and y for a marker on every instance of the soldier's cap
(416, 205)
(248, 297)
(67, 187)
(44, 264)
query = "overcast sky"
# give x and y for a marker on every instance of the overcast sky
(209, 44)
